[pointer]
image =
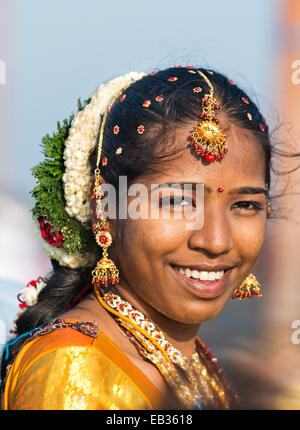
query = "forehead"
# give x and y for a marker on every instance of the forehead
(243, 164)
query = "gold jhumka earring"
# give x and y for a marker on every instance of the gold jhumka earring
(105, 272)
(250, 287)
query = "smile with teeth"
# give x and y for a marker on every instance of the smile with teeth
(201, 275)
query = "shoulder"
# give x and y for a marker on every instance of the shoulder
(70, 368)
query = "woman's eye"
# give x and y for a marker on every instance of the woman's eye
(249, 205)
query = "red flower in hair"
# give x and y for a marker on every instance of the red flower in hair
(54, 239)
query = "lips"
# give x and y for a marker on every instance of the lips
(204, 289)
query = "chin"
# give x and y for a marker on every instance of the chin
(198, 313)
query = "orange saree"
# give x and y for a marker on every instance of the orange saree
(66, 369)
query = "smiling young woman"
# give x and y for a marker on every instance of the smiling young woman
(123, 334)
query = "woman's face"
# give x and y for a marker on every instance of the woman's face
(161, 260)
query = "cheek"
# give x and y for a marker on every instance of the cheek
(149, 239)
(249, 237)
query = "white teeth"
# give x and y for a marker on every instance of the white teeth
(202, 275)
(195, 274)
(212, 276)
(187, 272)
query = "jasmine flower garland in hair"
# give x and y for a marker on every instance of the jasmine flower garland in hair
(82, 140)
(62, 202)
(49, 211)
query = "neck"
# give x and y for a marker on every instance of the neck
(180, 335)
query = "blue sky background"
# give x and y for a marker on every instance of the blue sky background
(66, 48)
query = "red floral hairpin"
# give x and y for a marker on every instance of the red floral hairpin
(140, 129)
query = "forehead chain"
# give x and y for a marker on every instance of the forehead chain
(211, 88)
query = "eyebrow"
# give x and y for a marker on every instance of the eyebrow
(249, 190)
(240, 190)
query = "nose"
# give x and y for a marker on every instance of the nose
(215, 236)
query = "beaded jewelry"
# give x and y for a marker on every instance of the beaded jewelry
(197, 383)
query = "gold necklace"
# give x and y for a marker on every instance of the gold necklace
(197, 383)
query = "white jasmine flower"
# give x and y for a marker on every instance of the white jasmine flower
(82, 139)
(29, 295)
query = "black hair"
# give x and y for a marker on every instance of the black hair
(178, 104)
(173, 102)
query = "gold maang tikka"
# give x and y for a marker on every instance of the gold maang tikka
(207, 137)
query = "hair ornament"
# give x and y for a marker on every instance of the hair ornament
(159, 98)
(245, 100)
(207, 137)
(119, 150)
(173, 79)
(147, 103)
(116, 129)
(62, 210)
(140, 129)
(197, 89)
(261, 127)
(249, 116)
